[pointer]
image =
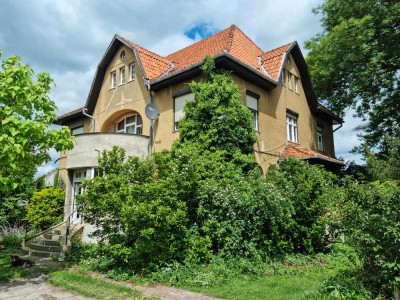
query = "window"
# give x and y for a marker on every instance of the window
(132, 71)
(291, 124)
(77, 130)
(289, 80)
(320, 141)
(252, 104)
(122, 75)
(296, 84)
(113, 79)
(179, 103)
(131, 124)
(122, 55)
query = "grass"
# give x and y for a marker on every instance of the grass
(273, 287)
(86, 285)
(8, 273)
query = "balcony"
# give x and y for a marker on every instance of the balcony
(88, 147)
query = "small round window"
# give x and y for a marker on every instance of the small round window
(122, 55)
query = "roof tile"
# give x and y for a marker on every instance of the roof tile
(294, 150)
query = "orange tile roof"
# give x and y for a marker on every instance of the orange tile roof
(230, 40)
(153, 64)
(272, 60)
(294, 150)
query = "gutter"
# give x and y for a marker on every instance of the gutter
(150, 146)
(84, 111)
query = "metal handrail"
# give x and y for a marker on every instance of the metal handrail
(68, 221)
(38, 218)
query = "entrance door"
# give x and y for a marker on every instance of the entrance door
(79, 176)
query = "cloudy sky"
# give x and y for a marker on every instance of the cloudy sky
(68, 38)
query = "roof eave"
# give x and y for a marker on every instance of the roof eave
(222, 60)
(69, 117)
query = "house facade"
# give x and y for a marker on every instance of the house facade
(275, 85)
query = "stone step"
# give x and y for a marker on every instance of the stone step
(47, 242)
(30, 252)
(53, 237)
(41, 247)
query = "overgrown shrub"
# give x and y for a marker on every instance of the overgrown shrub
(371, 221)
(45, 208)
(311, 194)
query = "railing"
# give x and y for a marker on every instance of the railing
(68, 222)
(29, 222)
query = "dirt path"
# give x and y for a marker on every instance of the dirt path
(36, 287)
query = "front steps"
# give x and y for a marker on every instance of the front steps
(51, 242)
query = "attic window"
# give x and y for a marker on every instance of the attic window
(122, 55)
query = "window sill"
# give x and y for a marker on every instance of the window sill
(112, 88)
(130, 80)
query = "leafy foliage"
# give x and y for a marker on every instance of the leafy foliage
(141, 220)
(355, 62)
(310, 191)
(217, 120)
(44, 209)
(371, 219)
(25, 114)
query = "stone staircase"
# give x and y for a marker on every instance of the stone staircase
(51, 242)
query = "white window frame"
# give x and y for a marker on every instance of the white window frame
(122, 76)
(289, 80)
(132, 71)
(113, 79)
(252, 105)
(320, 139)
(137, 128)
(179, 103)
(292, 128)
(296, 84)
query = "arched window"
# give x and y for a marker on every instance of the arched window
(131, 124)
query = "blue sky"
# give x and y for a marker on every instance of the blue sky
(68, 38)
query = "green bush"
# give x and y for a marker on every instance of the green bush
(311, 193)
(371, 221)
(45, 208)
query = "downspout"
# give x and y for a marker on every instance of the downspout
(84, 111)
(150, 147)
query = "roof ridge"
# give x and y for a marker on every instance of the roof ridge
(288, 44)
(219, 32)
(141, 47)
(230, 37)
(261, 50)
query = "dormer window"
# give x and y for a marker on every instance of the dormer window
(131, 125)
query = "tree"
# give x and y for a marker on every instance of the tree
(355, 62)
(217, 120)
(26, 112)
(44, 208)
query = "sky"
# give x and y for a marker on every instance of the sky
(68, 38)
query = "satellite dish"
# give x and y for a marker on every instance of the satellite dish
(151, 111)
